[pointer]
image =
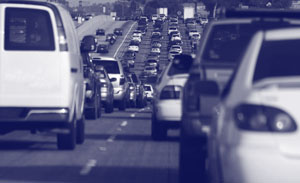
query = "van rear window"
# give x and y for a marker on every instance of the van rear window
(111, 67)
(28, 29)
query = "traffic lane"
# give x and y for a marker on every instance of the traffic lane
(102, 21)
(118, 148)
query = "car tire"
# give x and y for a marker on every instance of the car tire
(92, 113)
(80, 130)
(192, 159)
(67, 141)
(158, 131)
(122, 105)
(109, 108)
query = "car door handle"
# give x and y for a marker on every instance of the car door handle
(74, 70)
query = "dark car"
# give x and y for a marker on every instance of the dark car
(100, 32)
(103, 47)
(129, 53)
(111, 38)
(118, 31)
(141, 100)
(92, 106)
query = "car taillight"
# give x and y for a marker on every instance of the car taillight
(263, 118)
(62, 39)
(170, 92)
(122, 81)
(190, 96)
(131, 87)
(104, 85)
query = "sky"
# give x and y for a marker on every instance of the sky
(73, 3)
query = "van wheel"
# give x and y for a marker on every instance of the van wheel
(67, 141)
(158, 131)
(122, 105)
(80, 129)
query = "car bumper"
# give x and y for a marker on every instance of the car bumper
(246, 164)
(119, 94)
(168, 110)
(33, 114)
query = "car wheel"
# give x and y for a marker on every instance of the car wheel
(192, 159)
(122, 105)
(99, 104)
(80, 131)
(67, 141)
(92, 113)
(109, 107)
(158, 131)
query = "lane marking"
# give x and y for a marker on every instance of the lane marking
(124, 39)
(140, 110)
(102, 148)
(88, 167)
(124, 123)
(111, 138)
(132, 115)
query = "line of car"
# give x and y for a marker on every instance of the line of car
(239, 121)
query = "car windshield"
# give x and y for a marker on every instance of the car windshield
(111, 67)
(227, 43)
(274, 61)
(134, 78)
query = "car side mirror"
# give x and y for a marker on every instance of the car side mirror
(210, 88)
(113, 79)
(88, 44)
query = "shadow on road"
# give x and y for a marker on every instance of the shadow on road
(28, 145)
(129, 137)
(98, 174)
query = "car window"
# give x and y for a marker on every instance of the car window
(111, 67)
(274, 61)
(227, 42)
(147, 88)
(134, 78)
(28, 29)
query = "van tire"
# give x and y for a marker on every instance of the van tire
(122, 105)
(67, 141)
(80, 129)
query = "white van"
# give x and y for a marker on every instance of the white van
(116, 74)
(41, 73)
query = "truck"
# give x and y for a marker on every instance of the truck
(162, 11)
(188, 11)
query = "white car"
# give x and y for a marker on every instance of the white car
(136, 38)
(137, 33)
(167, 101)
(149, 91)
(176, 48)
(171, 29)
(203, 21)
(193, 32)
(255, 134)
(134, 48)
(155, 50)
(176, 37)
(150, 70)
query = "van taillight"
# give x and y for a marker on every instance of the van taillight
(263, 119)
(62, 39)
